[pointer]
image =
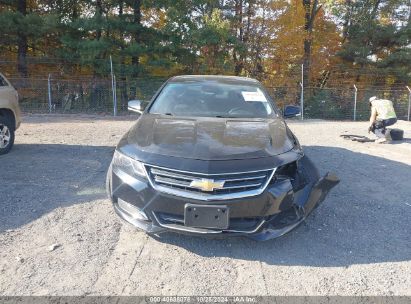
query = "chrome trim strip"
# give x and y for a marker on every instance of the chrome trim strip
(186, 177)
(243, 179)
(205, 230)
(168, 181)
(243, 186)
(211, 197)
(208, 174)
(171, 174)
(165, 177)
(165, 180)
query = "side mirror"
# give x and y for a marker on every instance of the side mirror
(291, 111)
(136, 106)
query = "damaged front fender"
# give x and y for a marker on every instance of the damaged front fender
(320, 191)
(305, 200)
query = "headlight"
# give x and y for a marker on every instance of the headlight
(128, 165)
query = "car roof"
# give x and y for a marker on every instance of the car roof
(214, 78)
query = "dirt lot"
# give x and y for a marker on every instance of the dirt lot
(52, 192)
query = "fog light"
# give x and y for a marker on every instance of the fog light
(132, 210)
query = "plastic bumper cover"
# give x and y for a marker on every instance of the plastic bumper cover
(272, 214)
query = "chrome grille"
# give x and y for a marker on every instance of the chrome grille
(209, 187)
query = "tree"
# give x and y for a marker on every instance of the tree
(22, 26)
(311, 9)
(137, 33)
(377, 36)
(214, 41)
(22, 45)
(265, 39)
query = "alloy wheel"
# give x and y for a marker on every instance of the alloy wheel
(4, 136)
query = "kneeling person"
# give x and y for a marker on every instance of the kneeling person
(382, 115)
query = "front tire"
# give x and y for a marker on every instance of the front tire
(6, 135)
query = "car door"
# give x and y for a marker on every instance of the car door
(8, 95)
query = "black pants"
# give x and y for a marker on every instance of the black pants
(378, 127)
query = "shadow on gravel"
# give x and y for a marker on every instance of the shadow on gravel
(399, 142)
(35, 179)
(365, 219)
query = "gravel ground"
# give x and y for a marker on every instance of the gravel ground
(60, 236)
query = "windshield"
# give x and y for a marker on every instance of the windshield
(212, 99)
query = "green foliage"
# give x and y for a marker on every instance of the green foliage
(378, 34)
(329, 104)
(13, 23)
(257, 38)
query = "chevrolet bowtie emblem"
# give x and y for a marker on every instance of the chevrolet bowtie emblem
(207, 184)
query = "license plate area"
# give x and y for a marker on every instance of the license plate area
(206, 216)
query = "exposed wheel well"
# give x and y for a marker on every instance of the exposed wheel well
(9, 115)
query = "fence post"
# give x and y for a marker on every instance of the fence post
(302, 92)
(409, 102)
(112, 88)
(355, 102)
(115, 95)
(49, 92)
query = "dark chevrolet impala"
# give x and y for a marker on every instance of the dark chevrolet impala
(211, 155)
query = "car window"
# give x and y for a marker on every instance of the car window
(212, 99)
(3, 82)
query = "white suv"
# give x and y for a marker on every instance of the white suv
(10, 116)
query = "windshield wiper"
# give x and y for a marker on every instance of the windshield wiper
(226, 116)
(168, 114)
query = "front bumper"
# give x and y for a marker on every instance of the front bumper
(278, 210)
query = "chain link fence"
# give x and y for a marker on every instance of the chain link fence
(92, 95)
(81, 95)
(342, 103)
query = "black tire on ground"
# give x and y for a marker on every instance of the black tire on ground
(6, 122)
(394, 134)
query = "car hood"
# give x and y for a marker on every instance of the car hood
(209, 138)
